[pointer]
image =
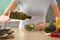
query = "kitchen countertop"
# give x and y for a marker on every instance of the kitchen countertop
(31, 35)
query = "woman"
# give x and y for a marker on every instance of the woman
(36, 8)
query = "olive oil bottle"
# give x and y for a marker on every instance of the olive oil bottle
(18, 15)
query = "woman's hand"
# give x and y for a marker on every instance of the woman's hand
(4, 18)
(41, 25)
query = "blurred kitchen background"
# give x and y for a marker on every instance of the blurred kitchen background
(5, 3)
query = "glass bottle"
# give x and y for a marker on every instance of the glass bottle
(19, 15)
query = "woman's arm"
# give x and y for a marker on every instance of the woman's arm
(11, 6)
(4, 17)
(56, 13)
(55, 10)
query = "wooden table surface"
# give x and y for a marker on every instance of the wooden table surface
(30, 35)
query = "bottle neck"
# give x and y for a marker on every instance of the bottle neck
(29, 17)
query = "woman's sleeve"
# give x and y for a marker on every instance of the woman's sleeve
(53, 2)
(17, 1)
